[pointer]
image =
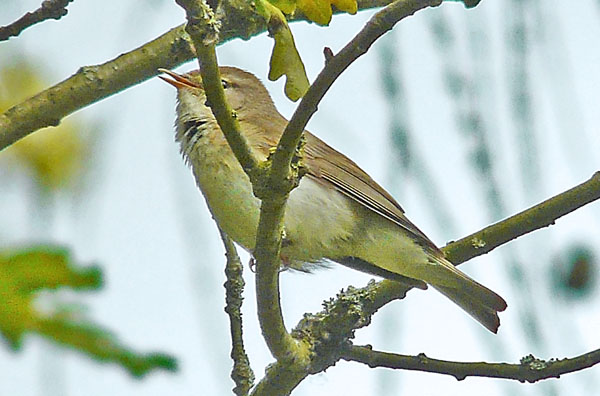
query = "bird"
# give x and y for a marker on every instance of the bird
(337, 213)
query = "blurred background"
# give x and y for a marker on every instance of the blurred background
(465, 116)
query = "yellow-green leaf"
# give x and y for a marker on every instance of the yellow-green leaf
(318, 11)
(47, 267)
(23, 272)
(285, 59)
(55, 156)
(287, 6)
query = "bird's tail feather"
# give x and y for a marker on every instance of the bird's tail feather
(484, 314)
(477, 300)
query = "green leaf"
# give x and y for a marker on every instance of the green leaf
(101, 345)
(47, 267)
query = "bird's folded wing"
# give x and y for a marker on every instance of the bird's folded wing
(328, 166)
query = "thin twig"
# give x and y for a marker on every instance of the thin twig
(242, 373)
(530, 369)
(203, 29)
(50, 9)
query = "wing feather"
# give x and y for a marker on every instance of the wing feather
(332, 168)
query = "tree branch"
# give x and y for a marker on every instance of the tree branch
(518, 225)
(281, 179)
(283, 176)
(377, 26)
(330, 331)
(536, 217)
(280, 379)
(50, 9)
(93, 83)
(530, 368)
(242, 373)
(204, 31)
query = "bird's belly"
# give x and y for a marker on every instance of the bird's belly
(317, 222)
(229, 196)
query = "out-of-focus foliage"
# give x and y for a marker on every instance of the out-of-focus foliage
(26, 272)
(55, 156)
(574, 272)
(284, 58)
(22, 273)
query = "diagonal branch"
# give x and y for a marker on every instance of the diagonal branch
(376, 27)
(529, 220)
(283, 176)
(50, 9)
(530, 369)
(539, 216)
(330, 331)
(93, 83)
(204, 31)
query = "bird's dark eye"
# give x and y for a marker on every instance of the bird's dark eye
(225, 83)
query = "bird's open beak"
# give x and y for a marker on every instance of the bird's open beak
(178, 81)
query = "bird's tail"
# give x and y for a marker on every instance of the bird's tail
(477, 300)
(485, 314)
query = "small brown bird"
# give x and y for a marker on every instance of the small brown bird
(337, 213)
